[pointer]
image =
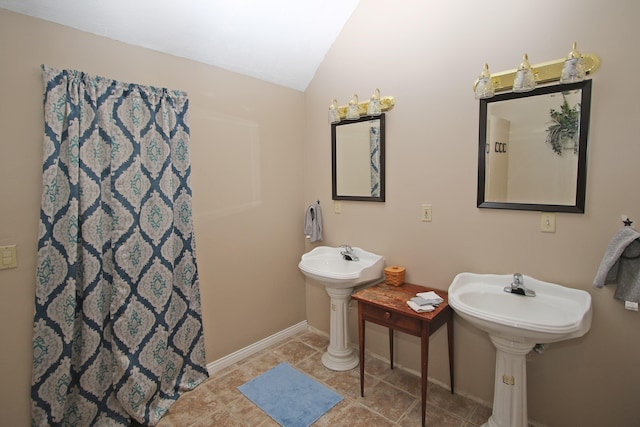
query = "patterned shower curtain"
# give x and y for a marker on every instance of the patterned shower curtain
(118, 326)
(374, 160)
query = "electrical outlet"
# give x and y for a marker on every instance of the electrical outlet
(426, 213)
(337, 207)
(548, 222)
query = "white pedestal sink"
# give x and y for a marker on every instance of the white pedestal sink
(515, 324)
(326, 266)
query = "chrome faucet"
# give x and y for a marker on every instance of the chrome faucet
(348, 253)
(517, 287)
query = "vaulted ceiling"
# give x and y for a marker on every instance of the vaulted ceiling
(280, 41)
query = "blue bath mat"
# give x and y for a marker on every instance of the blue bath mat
(289, 397)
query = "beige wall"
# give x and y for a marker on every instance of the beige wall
(248, 217)
(427, 55)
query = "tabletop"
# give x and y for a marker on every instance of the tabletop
(396, 297)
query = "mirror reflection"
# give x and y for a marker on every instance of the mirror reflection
(357, 149)
(533, 148)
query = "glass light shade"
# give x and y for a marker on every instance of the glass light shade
(484, 88)
(525, 80)
(374, 109)
(573, 69)
(352, 110)
(334, 116)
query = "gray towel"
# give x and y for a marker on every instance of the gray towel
(621, 265)
(313, 223)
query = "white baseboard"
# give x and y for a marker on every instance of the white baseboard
(252, 349)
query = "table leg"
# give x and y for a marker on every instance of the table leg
(361, 344)
(391, 346)
(450, 340)
(425, 366)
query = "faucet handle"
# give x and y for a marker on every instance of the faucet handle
(517, 286)
(347, 248)
(517, 280)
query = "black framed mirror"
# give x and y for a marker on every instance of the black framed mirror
(532, 152)
(357, 159)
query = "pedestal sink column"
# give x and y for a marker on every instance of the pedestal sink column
(510, 389)
(339, 356)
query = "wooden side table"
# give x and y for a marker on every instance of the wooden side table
(387, 306)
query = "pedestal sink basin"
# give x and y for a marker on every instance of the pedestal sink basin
(326, 265)
(515, 324)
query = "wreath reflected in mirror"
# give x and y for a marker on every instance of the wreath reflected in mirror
(562, 134)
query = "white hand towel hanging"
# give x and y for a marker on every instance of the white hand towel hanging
(620, 265)
(313, 223)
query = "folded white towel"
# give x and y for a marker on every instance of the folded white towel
(431, 296)
(422, 301)
(420, 308)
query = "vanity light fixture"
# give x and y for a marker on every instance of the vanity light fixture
(525, 80)
(545, 72)
(334, 116)
(484, 88)
(374, 104)
(384, 103)
(352, 111)
(573, 69)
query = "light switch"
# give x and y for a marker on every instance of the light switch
(8, 258)
(548, 222)
(426, 212)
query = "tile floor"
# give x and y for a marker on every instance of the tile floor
(392, 397)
